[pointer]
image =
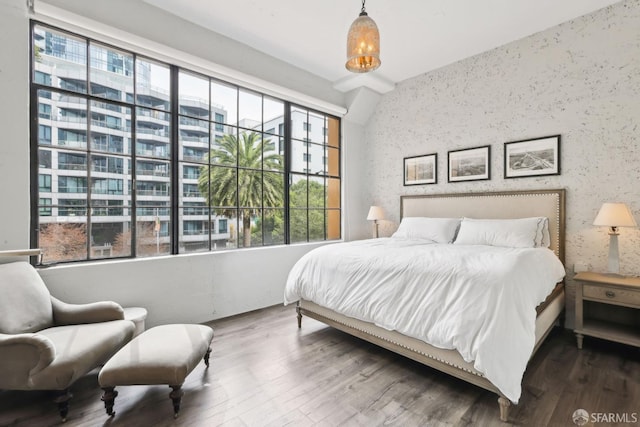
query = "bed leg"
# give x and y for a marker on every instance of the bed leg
(504, 408)
(299, 317)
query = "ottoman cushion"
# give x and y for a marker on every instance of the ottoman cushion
(161, 355)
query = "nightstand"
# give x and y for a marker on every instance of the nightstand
(609, 289)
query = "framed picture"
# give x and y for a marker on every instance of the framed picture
(421, 169)
(470, 164)
(532, 157)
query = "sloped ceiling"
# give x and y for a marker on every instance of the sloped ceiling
(416, 35)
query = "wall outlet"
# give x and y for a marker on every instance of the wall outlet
(580, 266)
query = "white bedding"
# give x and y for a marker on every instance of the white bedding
(479, 300)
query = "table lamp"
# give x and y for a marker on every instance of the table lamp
(614, 215)
(375, 214)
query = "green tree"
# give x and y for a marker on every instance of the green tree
(247, 186)
(302, 218)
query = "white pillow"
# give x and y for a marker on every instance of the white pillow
(545, 241)
(511, 233)
(438, 230)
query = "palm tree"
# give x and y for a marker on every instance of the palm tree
(245, 186)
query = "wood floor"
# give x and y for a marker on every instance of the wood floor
(266, 372)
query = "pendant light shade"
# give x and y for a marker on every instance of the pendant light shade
(363, 44)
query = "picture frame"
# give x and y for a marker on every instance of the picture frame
(469, 164)
(420, 170)
(532, 157)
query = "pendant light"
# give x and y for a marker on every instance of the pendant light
(363, 44)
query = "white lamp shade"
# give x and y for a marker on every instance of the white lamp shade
(615, 215)
(375, 213)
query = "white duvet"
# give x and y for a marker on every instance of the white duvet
(479, 300)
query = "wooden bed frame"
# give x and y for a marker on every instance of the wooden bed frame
(512, 204)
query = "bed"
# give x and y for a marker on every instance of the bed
(455, 359)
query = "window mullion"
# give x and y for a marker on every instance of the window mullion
(88, 130)
(174, 156)
(287, 173)
(34, 151)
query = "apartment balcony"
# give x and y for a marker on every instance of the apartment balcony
(195, 237)
(193, 195)
(147, 122)
(72, 166)
(194, 125)
(72, 190)
(195, 141)
(194, 106)
(202, 216)
(153, 192)
(147, 213)
(71, 143)
(120, 130)
(109, 172)
(152, 173)
(198, 158)
(152, 180)
(155, 135)
(160, 152)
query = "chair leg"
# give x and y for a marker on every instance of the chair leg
(109, 398)
(206, 357)
(176, 397)
(62, 399)
(299, 317)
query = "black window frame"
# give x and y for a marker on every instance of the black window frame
(39, 83)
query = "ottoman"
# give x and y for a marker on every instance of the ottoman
(161, 355)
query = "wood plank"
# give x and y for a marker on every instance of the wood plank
(266, 372)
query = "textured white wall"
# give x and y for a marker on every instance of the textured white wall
(580, 79)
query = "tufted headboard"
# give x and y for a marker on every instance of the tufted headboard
(498, 205)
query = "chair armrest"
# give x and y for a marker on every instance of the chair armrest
(95, 312)
(23, 355)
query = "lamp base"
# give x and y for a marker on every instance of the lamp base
(375, 229)
(614, 255)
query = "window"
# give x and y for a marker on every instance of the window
(119, 167)
(44, 111)
(191, 172)
(42, 78)
(44, 183)
(314, 184)
(71, 161)
(44, 159)
(72, 207)
(72, 184)
(45, 206)
(106, 186)
(44, 135)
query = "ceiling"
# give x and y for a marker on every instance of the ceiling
(416, 36)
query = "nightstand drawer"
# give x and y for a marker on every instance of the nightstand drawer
(612, 295)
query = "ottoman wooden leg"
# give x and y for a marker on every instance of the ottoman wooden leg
(62, 399)
(108, 398)
(206, 357)
(176, 396)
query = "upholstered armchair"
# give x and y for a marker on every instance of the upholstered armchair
(46, 344)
